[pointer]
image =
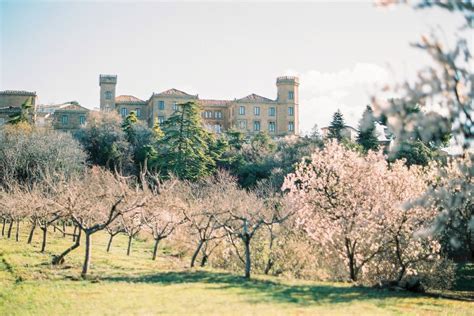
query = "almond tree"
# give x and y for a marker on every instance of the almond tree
(95, 201)
(132, 225)
(113, 229)
(355, 205)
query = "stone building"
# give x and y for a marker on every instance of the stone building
(11, 101)
(250, 114)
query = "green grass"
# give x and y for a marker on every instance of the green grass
(136, 285)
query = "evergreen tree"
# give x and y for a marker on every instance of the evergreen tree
(23, 115)
(127, 126)
(367, 137)
(337, 126)
(186, 144)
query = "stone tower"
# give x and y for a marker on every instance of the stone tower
(288, 105)
(107, 85)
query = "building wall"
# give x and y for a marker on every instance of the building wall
(73, 119)
(107, 92)
(169, 101)
(250, 117)
(133, 107)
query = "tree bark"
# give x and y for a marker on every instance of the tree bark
(204, 260)
(193, 259)
(87, 257)
(64, 229)
(155, 248)
(17, 233)
(269, 265)
(3, 226)
(45, 234)
(60, 258)
(109, 244)
(9, 234)
(248, 262)
(74, 233)
(129, 247)
(32, 231)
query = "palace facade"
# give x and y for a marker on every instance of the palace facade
(251, 114)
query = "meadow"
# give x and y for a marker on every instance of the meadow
(136, 285)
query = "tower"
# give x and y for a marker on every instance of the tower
(107, 85)
(288, 105)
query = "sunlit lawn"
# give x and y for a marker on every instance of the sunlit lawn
(136, 285)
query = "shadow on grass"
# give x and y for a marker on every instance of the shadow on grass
(265, 289)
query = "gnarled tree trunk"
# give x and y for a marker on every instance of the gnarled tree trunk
(59, 259)
(32, 232)
(193, 259)
(87, 258)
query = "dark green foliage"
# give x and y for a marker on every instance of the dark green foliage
(337, 126)
(414, 152)
(367, 137)
(23, 115)
(186, 145)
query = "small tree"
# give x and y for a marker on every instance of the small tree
(367, 136)
(23, 116)
(337, 126)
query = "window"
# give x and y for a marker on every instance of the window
(138, 112)
(108, 95)
(271, 111)
(291, 126)
(207, 114)
(218, 128)
(291, 111)
(161, 105)
(271, 127)
(256, 126)
(2, 121)
(82, 119)
(161, 119)
(124, 112)
(175, 106)
(243, 124)
(64, 119)
(291, 95)
(256, 110)
(218, 114)
(242, 110)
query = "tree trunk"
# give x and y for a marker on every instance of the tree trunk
(129, 247)
(32, 231)
(193, 259)
(204, 260)
(17, 234)
(3, 226)
(155, 248)
(64, 229)
(247, 257)
(74, 233)
(87, 257)
(269, 265)
(9, 234)
(45, 234)
(59, 259)
(109, 244)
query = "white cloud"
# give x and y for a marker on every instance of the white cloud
(322, 93)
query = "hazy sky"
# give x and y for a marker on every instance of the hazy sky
(341, 50)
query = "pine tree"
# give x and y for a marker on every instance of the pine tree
(367, 137)
(337, 126)
(186, 144)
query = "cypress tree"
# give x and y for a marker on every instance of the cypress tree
(337, 126)
(367, 137)
(185, 144)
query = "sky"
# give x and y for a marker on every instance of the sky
(342, 51)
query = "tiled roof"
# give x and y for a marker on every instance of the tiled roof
(175, 92)
(17, 92)
(214, 102)
(127, 99)
(255, 98)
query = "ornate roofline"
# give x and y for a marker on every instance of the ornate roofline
(18, 92)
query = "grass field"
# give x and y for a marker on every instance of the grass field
(135, 285)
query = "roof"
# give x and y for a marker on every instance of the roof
(214, 102)
(17, 92)
(255, 98)
(72, 107)
(174, 92)
(127, 99)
